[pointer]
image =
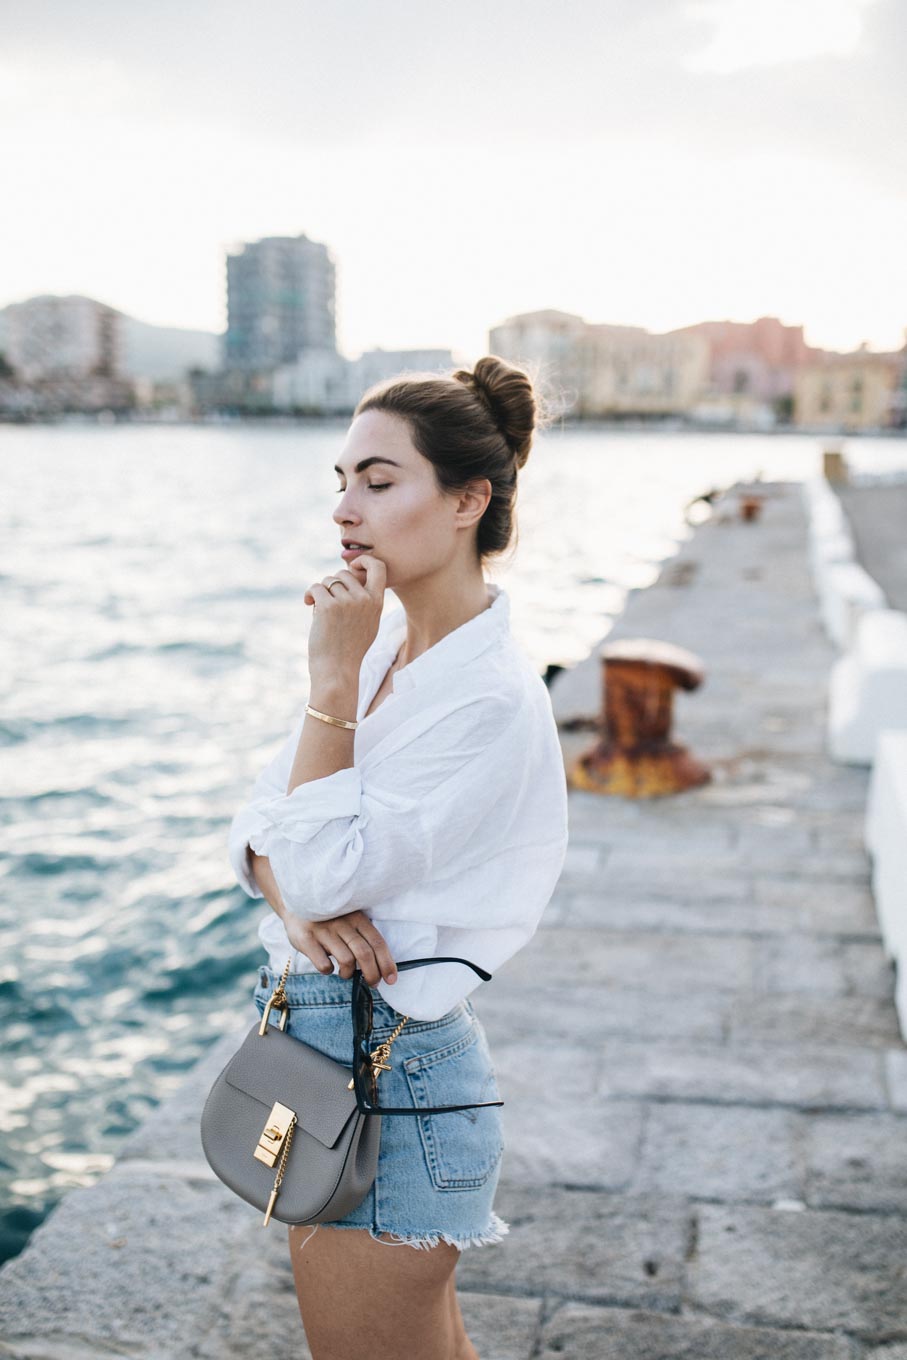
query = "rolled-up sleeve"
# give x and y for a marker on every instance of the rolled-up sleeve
(356, 838)
(248, 820)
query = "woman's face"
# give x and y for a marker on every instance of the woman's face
(394, 508)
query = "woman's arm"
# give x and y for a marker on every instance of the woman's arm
(313, 750)
(264, 877)
(352, 938)
(323, 749)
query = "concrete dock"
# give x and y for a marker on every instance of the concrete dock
(705, 1086)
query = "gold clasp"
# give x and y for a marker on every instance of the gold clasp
(271, 1139)
(277, 1001)
(274, 1004)
(379, 1063)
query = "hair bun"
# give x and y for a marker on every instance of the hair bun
(508, 394)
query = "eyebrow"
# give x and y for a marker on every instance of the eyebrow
(367, 462)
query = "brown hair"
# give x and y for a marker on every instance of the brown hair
(477, 423)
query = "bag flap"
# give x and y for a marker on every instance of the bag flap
(275, 1066)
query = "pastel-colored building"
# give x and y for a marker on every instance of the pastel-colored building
(752, 369)
(857, 391)
(599, 370)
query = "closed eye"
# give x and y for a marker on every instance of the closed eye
(372, 486)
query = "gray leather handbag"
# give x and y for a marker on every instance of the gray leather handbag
(277, 1093)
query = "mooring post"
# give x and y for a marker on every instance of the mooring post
(636, 757)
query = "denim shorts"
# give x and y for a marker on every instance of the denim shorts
(437, 1174)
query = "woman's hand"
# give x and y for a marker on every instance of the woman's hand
(346, 619)
(351, 939)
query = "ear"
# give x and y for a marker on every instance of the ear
(473, 500)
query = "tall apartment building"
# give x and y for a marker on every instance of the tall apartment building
(65, 338)
(604, 370)
(280, 302)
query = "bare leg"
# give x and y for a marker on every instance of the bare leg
(359, 1298)
(465, 1350)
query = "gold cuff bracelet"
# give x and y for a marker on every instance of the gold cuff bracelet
(326, 717)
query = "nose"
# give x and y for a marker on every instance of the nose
(342, 513)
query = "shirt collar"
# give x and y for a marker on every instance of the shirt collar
(456, 648)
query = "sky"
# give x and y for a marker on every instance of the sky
(636, 162)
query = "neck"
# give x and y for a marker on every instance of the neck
(432, 613)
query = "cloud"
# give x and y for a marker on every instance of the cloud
(822, 77)
(747, 33)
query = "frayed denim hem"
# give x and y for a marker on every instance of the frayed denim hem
(495, 1232)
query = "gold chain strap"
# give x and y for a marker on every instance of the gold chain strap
(281, 1167)
(279, 996)
(381, 1054)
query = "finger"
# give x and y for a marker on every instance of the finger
(365, 958)
(352, 583)
(346, 959)
(320, 594)
(319, 957)
(375, 573)
(383, 956)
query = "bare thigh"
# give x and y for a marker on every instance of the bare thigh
(361, 1297)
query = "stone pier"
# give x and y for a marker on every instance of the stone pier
(705, 1086)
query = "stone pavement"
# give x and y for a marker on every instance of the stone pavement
(705, 1086)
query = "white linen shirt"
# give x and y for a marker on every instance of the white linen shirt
(450, 829)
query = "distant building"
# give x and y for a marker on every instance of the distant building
(544, 340)
(318, 382)
(62, 354)
(280, 302)
(374, 365)
(626, 370)
(752, 368)
(861, 390)
(62, 337)
(322, 381)
(598, 370)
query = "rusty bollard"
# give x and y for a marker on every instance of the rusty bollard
(750, 506)
(635, 756)
(834, 466)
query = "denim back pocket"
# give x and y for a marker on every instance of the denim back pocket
(462, 1147)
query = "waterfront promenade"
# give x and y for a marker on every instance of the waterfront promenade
(705, 1086)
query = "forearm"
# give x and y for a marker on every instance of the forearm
(323, 747)
(264, 877)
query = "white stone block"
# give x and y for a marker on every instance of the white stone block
(828, 522)
(846, 593)
(827, 548)
(868, 687)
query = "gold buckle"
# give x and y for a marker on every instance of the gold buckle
(275, 1005)
(271, 1139)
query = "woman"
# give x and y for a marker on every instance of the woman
(431, 822)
